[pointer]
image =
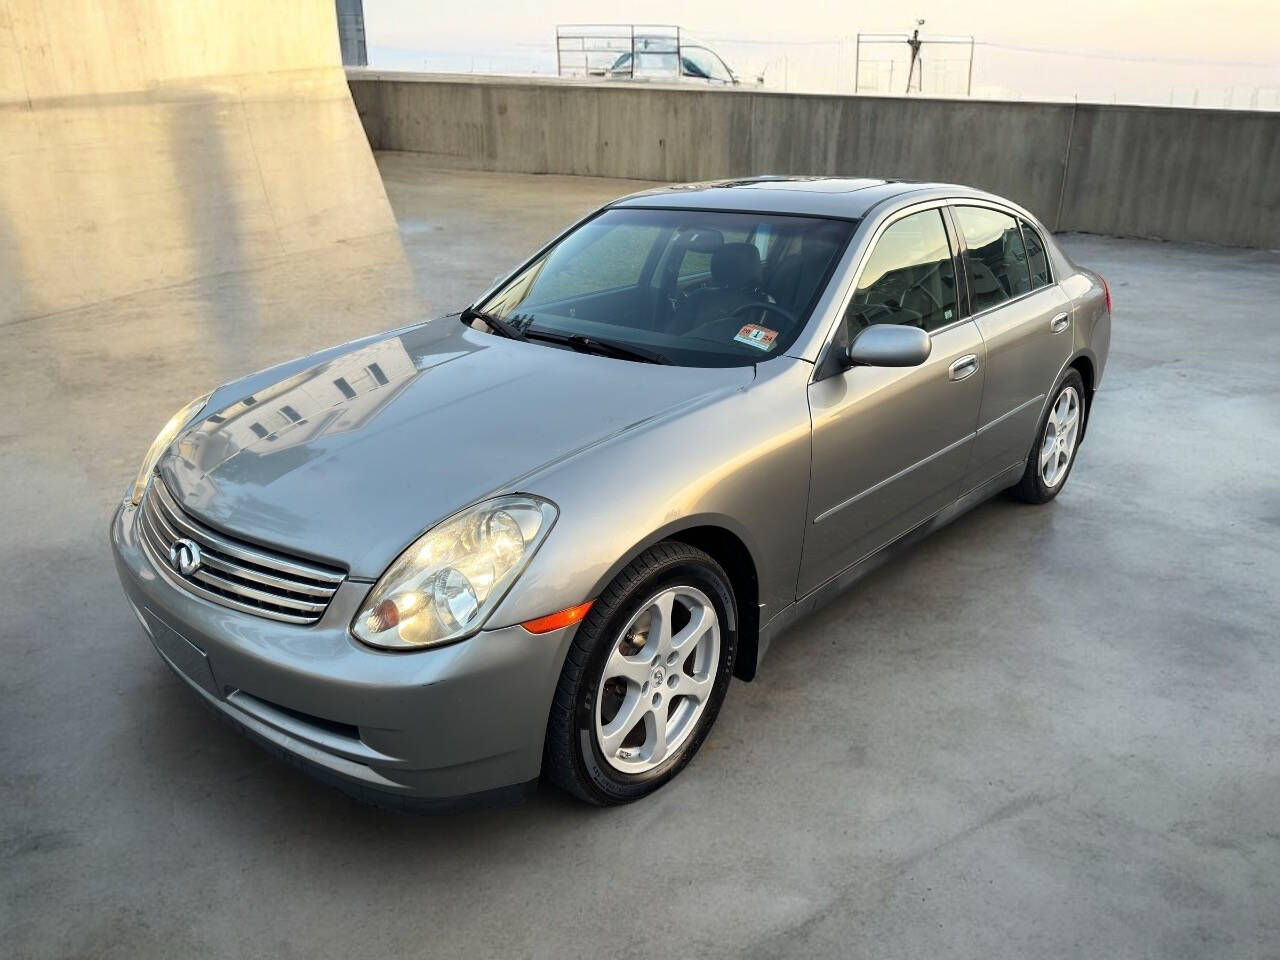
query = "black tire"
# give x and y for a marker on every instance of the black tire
(573, 760)
(1032, 488)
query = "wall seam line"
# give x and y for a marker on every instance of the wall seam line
(262, 177)
(1066, 167)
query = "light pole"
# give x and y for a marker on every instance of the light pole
(914, 43)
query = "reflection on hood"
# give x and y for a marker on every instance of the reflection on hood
(347, 460)
(335, 397)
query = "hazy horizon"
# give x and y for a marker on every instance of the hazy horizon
(1178, 52)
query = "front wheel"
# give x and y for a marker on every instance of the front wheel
(1057, 441)
(644, 678)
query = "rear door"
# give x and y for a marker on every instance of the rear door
(1025, 322)
(890, 445)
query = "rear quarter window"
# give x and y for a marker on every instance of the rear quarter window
(1037, 257)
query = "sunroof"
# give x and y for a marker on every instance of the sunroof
(840, 185)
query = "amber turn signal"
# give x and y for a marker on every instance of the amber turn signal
(562, 618)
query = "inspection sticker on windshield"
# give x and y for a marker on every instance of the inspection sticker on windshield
(754, 335)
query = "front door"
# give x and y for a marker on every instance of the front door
(890, 445)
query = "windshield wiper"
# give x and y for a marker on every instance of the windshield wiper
(497, 324)
(575, 341)
(607, 348)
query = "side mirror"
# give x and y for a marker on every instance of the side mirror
(889, 345)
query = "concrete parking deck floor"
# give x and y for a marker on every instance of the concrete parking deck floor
(1045, 733)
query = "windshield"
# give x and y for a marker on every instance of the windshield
(696, 288)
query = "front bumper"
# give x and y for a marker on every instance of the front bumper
(404, 729)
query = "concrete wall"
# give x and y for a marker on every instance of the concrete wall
(1203, 175)
(1178, 174)
(148, 142)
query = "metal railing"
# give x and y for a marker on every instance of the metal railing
(646, 51)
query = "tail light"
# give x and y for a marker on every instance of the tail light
(1106, 292)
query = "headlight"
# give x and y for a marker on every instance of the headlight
(446, 584)
(162, 441)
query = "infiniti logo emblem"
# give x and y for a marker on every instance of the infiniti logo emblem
(184, 556)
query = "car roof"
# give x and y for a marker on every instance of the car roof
(846, 197)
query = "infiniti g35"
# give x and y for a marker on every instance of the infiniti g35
(539, 537)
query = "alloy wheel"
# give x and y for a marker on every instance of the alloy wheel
(657, 679)
(1061, 432)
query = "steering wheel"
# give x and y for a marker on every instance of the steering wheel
(768, 308)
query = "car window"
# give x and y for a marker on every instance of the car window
(693, 69)
(909, 277)
(702, 63)
(996, 258)
(688, 284)
(696, 262)
(610, 258)
(655, 64)
(763, 240)
(1037, 259)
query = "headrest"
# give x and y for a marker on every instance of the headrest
(704, 240)
(736, 265)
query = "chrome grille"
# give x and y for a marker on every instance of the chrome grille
(230, 572)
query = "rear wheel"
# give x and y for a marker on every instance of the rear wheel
(644, 678)
(1057, 442)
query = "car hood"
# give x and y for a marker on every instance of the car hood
(348, 459)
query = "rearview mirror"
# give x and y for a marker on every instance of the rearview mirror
(889, 345)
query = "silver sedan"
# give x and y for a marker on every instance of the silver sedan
(539, 537)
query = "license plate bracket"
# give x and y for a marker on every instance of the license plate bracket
(183, 655)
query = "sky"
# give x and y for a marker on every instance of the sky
(1184, 52)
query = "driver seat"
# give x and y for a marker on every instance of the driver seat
(735, 280)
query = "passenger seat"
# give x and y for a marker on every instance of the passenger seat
(798, 275)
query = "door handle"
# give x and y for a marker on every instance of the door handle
(1059, 323)
(964, 368)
